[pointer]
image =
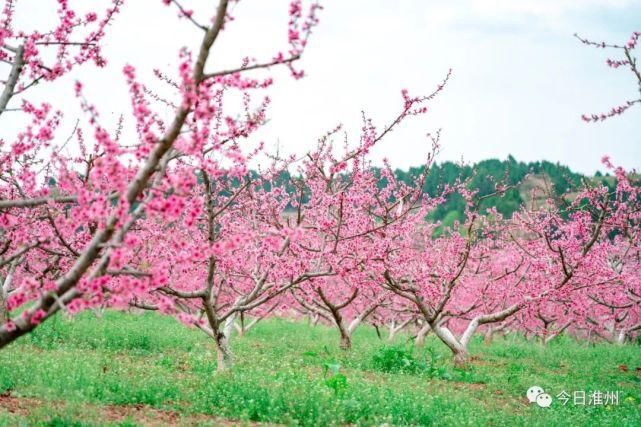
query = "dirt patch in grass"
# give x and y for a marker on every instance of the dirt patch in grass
(141, 414)
(460, 385)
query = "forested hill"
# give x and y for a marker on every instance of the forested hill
(483, 175)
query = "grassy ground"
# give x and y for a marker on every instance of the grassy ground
(129, 370)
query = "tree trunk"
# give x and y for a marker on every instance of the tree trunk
(489, 335)
(346, 341)
(391, 335)
(4, 313)
(346, 333)
(620, 337)
(225, 359)
(224, 354)
(314, 319)
(461, 357)
(459, 351)
(241, 331)
(241, 327)
(420, 336)
(394, 328)
(5, 287)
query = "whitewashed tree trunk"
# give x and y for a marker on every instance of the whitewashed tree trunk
(224, 355)
(422, 333)
(314, 319)
(6, 284)
(459, 347)
(4, 313)
(621, 336)
(489, 335)
(394, 328)
(459, 350)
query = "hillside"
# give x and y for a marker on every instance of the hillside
(537, 179)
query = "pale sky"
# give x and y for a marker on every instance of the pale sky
(520, 79)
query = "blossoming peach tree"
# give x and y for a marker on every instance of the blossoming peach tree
(70, 224)
(488, 269)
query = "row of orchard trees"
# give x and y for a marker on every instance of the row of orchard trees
(173, 220)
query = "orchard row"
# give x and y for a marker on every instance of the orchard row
(164, 213)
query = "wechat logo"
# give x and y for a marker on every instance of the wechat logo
(536, 394)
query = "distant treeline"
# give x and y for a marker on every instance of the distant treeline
(483, 175)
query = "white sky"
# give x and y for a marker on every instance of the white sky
(520, 80)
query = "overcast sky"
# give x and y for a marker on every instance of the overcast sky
(520, 80)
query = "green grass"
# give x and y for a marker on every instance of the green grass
(78, 372)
